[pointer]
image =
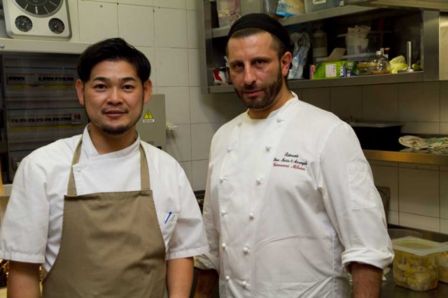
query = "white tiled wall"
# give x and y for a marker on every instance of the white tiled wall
(169, 32)
(419, 194)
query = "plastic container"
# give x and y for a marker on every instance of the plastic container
(442, 262)
(356, 40)
(228, 12)
(415, 264)
(315, 5)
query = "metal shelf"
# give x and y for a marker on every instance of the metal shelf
(407, 157)
(440, 5)
(308, 17)
(405, 77)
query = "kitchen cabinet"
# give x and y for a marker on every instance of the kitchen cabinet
(427, 29)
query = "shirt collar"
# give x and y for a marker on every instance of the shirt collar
(90, 152)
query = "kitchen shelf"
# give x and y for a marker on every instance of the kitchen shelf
(414, 157)
(416, 76)
(307, 17)
(439, 5)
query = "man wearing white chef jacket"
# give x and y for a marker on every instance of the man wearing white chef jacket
(290, 205)
(106, 214)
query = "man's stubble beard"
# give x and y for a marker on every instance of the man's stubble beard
(268, 100)
(116, 131)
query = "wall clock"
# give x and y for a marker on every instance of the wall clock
(37, 18)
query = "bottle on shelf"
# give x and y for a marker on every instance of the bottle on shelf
(319, 44)
(381, 65)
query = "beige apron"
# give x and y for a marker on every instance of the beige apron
(111, 244)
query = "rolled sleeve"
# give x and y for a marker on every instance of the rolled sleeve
(352, 201)
(188, 237)
(24, 228)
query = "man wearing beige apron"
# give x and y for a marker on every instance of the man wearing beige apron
(104, 214)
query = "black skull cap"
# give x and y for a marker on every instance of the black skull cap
(263, 22)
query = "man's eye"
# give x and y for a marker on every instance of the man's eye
(100, 87)
(237, 67)
(128, 87)
(260, 62)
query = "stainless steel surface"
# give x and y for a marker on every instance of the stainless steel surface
(399, 231)
(409, 54)
(407, 157)
(425, 4)
(416, 76)
(390, 290)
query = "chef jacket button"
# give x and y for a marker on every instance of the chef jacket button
(221, 180)
(251, 216)
(227, 277)
(229, 150)
(246, 250)
(223, 212)
(244, 284)
(259, 180)
(268, 148)
(223, 246)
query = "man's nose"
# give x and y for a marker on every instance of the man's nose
(249, 76)
(114, 96)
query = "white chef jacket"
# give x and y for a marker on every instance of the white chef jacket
(290, 200)
(32, 225)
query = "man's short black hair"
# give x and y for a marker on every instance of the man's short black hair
(113, 49)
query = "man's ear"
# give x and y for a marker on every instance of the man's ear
(147, 91)
(79, 85)
(285, 62)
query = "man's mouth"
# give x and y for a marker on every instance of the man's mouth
(113, 112)
(252, 93)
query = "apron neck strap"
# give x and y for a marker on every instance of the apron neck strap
(144, 172)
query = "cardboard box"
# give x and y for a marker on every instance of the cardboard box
(330, 70)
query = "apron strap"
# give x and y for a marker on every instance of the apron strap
(145, 183)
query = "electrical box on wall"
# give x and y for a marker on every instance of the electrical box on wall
(37, 19)
(152, 123)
